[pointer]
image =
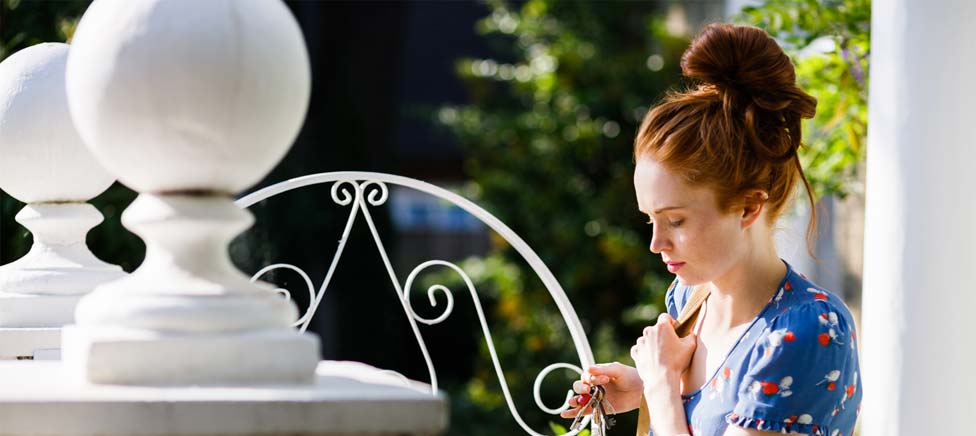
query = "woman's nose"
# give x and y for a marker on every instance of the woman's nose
(659, 242)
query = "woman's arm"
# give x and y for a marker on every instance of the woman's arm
(661, 357)
(666, 409)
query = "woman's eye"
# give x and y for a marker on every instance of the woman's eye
(675, 223)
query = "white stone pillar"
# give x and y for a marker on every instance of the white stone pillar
(919, 297)
(188, 102)
(44, 163)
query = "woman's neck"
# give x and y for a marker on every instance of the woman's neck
(739, 295)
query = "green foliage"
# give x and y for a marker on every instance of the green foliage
(549, 136)
(25, 23)
(559, 429)
(830, 41)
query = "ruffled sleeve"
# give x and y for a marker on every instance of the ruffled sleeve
(801, 373)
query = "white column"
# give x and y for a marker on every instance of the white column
(918, 293)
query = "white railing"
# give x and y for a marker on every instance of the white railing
(350, 188)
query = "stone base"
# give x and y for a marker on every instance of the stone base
(347, 398)
(30, 343)
(113, 356)
(36, 310)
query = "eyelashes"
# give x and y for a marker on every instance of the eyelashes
(670, 223)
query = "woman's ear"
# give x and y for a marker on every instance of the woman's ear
(754, 202)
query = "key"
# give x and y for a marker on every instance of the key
(578, 421)
(597, 402)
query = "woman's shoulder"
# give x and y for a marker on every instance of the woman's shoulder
(801, 302)
(805, 320)
(803, 363)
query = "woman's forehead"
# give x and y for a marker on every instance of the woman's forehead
(657, 188)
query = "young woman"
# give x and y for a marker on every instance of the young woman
(716, 166)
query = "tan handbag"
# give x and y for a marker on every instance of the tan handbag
(683, 327)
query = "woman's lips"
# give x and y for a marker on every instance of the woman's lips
(673, 267)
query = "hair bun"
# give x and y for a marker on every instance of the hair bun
(746, 60)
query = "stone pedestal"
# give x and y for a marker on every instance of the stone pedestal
(30, 343)
(346, 398)
(42, 288)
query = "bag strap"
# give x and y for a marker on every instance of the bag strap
(683, 327)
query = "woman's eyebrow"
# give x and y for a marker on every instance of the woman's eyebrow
(661, 210)
(667, 208)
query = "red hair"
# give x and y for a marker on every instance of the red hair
(738, 128)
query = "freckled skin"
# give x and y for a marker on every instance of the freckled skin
(709, 240)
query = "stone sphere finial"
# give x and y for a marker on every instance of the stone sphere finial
(170, 105)
(42, 157)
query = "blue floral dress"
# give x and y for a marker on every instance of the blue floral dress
(794, 369)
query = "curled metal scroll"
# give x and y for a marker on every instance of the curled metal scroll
(346, 190)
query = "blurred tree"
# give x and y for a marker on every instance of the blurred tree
(549, 135)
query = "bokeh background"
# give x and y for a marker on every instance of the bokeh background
(529, 109)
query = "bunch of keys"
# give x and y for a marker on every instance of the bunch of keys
(595, 400)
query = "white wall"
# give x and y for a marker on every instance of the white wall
(918, 296)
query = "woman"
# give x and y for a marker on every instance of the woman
(717, 165)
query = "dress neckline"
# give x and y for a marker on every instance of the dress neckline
(728, 355)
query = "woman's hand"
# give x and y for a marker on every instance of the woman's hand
(623, 388)
(661, 356)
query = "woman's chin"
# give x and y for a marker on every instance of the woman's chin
(688, 280)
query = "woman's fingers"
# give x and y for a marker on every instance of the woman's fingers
(571, 413)
(664, 319)
(598, 379)
(612, 370)
(581, 387)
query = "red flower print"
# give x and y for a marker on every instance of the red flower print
(830, 379)
(772, 388)
(817, 294)
(789, 337)
(849, 392)
(824, 339)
